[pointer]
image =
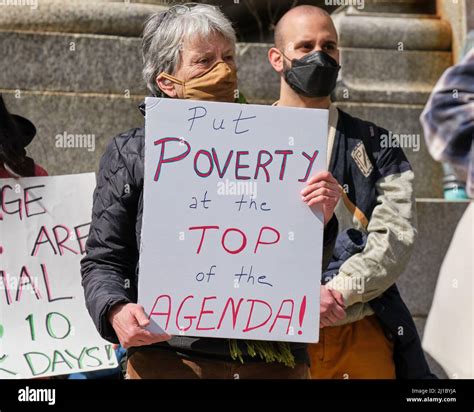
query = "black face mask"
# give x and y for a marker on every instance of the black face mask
(314, 75)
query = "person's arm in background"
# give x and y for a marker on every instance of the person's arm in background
(448, 120)
(108, 269)
(391, 232)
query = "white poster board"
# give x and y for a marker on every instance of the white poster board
(45, 328)
(229, 249)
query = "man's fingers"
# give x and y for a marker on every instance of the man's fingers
(332, 318)
(339, 313)
(324, 175)
(140, 316)
(327, 321)
(339, 298)
(323, 191)
(324, 322)
(140, 333)
(322, 199)
(311, 188)
(129, 322)
(143, 340)
(147, 336)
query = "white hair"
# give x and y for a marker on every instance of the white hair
(166, 31)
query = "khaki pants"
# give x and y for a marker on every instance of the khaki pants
(358, 350)
(157, 363)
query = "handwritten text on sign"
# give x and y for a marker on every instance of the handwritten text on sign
(228, 247)
(44, 325)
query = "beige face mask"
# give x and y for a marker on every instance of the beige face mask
(219, 83)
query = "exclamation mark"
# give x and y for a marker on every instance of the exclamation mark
(302, 312)
(109, 350)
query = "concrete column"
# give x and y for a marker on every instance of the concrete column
(460, 15)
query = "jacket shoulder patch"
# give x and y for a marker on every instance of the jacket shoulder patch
(362, 160)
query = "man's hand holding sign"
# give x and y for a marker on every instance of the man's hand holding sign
(129, 322)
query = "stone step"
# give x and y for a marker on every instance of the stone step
(394, 6)
(392, 70)
(112, 64)
(78, 16)
(381, 31)
(403, 119)
(80, 63)
(384, 92)
(84, 63)
(125, 17)
(391, 58)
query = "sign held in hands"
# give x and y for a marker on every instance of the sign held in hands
(229, 249)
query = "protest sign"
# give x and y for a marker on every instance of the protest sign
(229, 249)
(45, 328)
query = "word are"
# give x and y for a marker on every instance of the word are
(61, 240)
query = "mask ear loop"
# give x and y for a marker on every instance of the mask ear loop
(285, 56)
(285, 68)
(173, 79)
(170, 78)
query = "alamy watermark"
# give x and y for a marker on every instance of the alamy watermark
(360, 4)
(411, 141)
(28, 394)
(356, 284)
(237, 188)
(75, 141)
(33, 4)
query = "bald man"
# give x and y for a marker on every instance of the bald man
(362, 315)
